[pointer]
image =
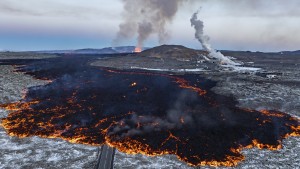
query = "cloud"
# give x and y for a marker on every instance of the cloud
(254, 8)
(55, 8)
(7, 7)
(232, 24)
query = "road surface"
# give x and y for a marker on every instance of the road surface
(105, 158)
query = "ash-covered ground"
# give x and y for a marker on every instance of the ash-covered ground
(276, 86)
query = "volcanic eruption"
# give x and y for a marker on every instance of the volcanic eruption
(145, 18)
(144, 113)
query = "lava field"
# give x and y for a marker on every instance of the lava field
(141, 112)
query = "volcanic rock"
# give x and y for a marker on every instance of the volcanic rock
(172, 51)
(169, 58)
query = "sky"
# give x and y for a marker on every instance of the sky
(255, 25)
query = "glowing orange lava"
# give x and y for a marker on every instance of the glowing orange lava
(138, 50)
(180, 81)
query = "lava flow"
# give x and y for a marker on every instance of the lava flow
(138, 50)
(141, 113)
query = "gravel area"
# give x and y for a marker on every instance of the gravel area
(25, 55)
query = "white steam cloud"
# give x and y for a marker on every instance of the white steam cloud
(204, 40)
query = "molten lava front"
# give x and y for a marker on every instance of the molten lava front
(138, 50)
(141, 112)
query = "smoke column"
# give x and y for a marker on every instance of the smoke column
(204, 40)
(146, 17)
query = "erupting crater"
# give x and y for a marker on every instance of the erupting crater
(138, 50)
(142, 112)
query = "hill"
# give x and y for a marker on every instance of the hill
(172, 52)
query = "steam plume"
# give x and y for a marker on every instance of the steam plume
(204, 40)
(145, 18)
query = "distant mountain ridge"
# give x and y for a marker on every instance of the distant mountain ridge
(107, 50)
(163, 50)
(95, 51)
(297, 52)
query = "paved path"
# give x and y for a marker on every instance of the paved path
(105, 158)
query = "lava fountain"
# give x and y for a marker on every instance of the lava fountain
(141, 113)
(137, 50)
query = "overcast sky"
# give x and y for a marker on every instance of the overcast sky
(257, 25)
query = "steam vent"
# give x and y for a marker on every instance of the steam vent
(141, 112)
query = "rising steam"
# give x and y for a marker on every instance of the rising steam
(145, 18)
(204, 40)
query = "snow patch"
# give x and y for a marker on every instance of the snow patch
(239, 68)
(170, 70)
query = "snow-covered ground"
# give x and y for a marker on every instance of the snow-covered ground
(234, 68)
(44, 153)
(124, 161)
(241, 69)
(169, 70)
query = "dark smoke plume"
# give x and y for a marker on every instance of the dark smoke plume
(175, 118)
(146, 17)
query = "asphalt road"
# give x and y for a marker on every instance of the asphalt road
(105, 158)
